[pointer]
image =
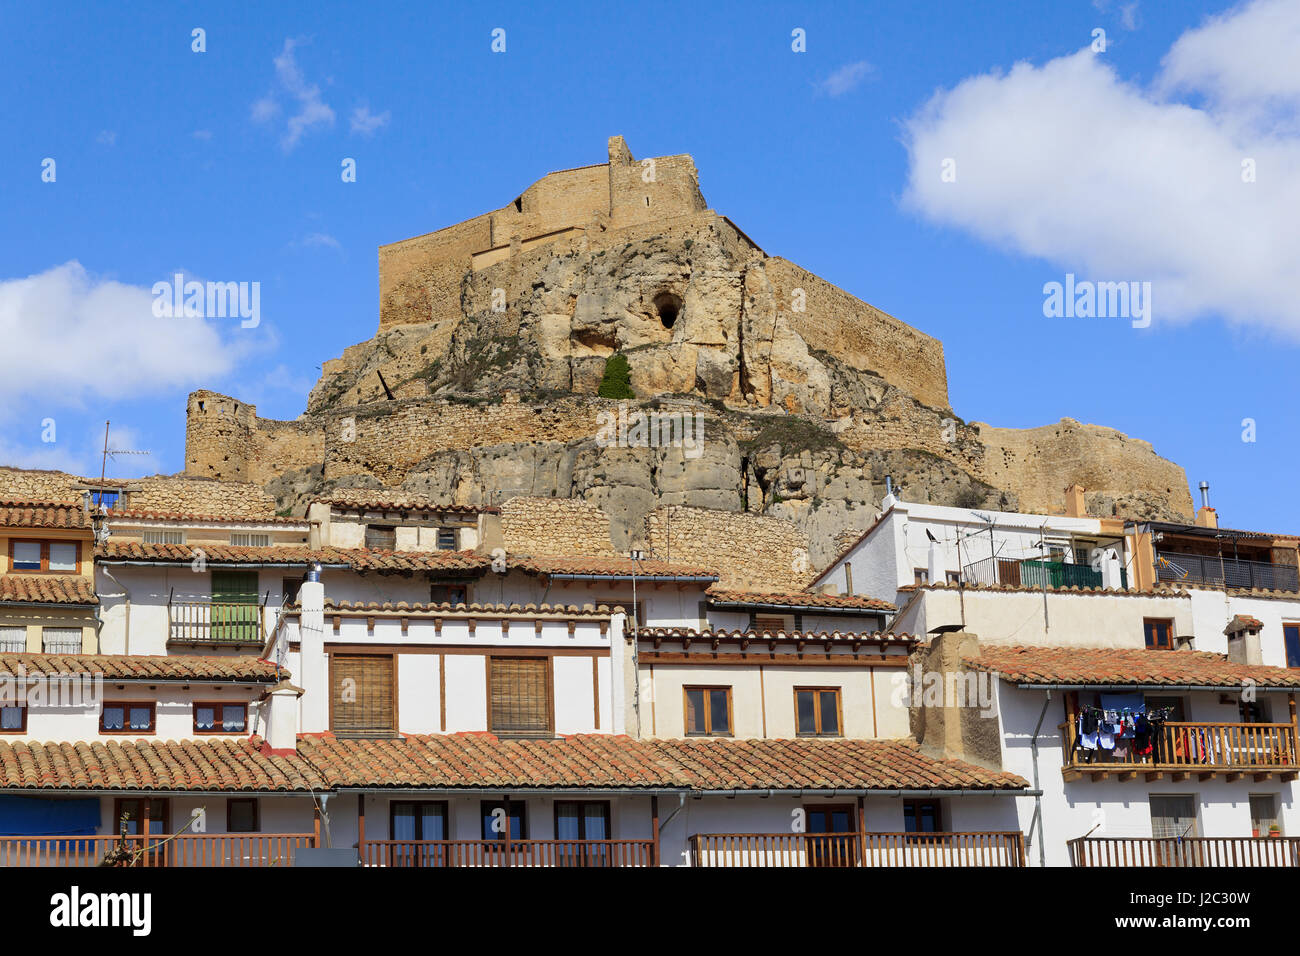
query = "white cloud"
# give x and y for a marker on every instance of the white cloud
(1128, 12)
(846, 78)
(366, 122)
(309, 108)
(1072, 164)
(72, 338)
(319, 240)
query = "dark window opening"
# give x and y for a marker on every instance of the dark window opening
(669, 306)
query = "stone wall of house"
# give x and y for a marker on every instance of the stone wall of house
(554, 526)
(749, 551)
(161, 493)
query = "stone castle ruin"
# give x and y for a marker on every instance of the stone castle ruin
(481, 383)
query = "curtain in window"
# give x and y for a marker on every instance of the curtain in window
(205, 717)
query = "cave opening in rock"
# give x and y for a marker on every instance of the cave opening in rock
(669, 306)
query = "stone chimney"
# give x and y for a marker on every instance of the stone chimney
(953, 708)
(281, 719)
(1074, 503)
(1243, 640)
(312, 661)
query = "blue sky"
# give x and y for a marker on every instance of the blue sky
(169, 160)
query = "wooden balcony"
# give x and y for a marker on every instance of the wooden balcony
(215, 622)
(1182, 749)
(997, 848)
(225, 849)
(474, 853)
(1187, 851)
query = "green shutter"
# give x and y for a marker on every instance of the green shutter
(234, 606)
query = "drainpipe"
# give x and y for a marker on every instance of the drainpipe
(99, 622)
(1038, 791)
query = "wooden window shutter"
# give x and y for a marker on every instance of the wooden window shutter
(362, 695)
(520, 695)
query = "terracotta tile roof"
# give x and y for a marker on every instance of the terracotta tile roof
(227, 765)
(1101, 667)
(42, 514)
(798, 599)
(176, 667)
(358, 559)
(606, 761)
(736, 634)
(720, 764)
(402, 607)
(612, 565)
(1162, 591)
(71, 589)
(483, 760)
(148, 514)
(1243, 622)
(372, 500)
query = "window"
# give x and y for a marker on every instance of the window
(105, 499)
(220, 718)
(952, 577)
(448, 594)
(13, 639)
(127, 717)
(1172, 816)
(581, 820)
(363, 702)
(519, 696)
(153, 809)
(290, 588)
(382, 537)
(1291, 639)
(832, 839)
(817, 711)
(1263, 814)
(246, 540)
(1253, 711)
(61, 640)
(53, 557)
(1159, 633)
(235, 611)
(241, 815)
(920, 576)
(417, 820)
(13, 719)
(1175, 704)
(708, 711)
(163, 537)
(446, 539)
(504, 819)
(922, 816)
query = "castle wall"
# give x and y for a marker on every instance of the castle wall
(161, 493)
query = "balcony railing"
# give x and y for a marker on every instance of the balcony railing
(998, 848)
(1184, 747)
(580, 853)
(1185, 851)
(1236, 573)
(215, 622)
(1031, 573)
(226, 849)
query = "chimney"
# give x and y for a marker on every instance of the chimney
(1243, 640)
(311, 658)
(952, 708)
(1074, 504)
(281, 719)
(1206, 517)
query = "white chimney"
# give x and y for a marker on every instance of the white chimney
(281, 718)
(312, 662)
(936, 567)
(1111, 570)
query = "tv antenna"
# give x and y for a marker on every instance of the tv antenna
(97, 516)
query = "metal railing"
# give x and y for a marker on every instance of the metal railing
(579, 853)
(993, 848)
(187, 849)
(1233, 572)
(1033, 573)
(1184, 851)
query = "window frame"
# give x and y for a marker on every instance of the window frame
(146, 806)
(817, 711)
(916, 806)
(218, 706)
(81, 641)
(1291, 627)
(446, 531)
(126, 706)
(442, 806)
(708, 711)
(485, 814)
(163, 533)
(549, 730)
(250, 535)
(257, 814)
(920, 577)
(1172, 639)
(44, 544)
(22, 632)
(388, 528)
(22, 727)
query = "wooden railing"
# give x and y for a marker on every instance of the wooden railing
(1187, 851)
(1188, 746)
(224, 849)
(215, 622)
(581, 853)
(997, 848)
